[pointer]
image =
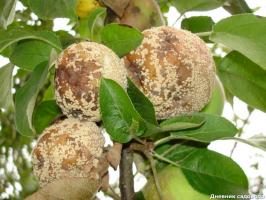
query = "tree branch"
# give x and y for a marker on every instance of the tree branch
(126, 180)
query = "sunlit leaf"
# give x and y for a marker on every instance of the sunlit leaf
(121, 38)
(214, 127)
(44, 114)
(207, 171)
(196, 5)
(28, 54)
(6, 81)
(119, 116)
(12, 36)
(26, 97)
(50, 9)
(7, 12)
(244, 79)
(244, 33)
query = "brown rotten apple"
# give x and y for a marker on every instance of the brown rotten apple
(79, 70)
(69, 160)
(174, 69)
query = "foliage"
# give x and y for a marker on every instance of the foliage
(32, 46)
(121, 39)
(229, 179)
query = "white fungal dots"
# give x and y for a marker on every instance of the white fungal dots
(70, 150)
(174, 69)
(79, 70)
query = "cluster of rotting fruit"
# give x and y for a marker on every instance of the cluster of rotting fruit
(69, 158)
(172, 67)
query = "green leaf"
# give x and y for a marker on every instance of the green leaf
(182, 122)
(141, 103)
(6, 81)
(49, 93)
(258, 141)
(26, 97)
(244, 33)
(179, 123)
(237, 7)
(12, 36)
(139, 196)
(7, 12)
(216, 173)
(121, 38)
(198, 24)
(7, 52)
(66, 39)
(28, 54)
(50, 9)
(196, 5)
(244, 79)
(25, 3)
(207, 171)
(96, 23)
(45, 113)
(215, 127)
(119, 116)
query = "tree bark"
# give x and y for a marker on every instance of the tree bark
(126, 181)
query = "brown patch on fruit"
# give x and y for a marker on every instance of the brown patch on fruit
(79, 70)
(71, 188)
(75, 149)
(175, 70)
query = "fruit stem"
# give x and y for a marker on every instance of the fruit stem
(155, 176)
(126, 180)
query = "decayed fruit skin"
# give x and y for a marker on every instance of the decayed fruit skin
(142, 14)
(84, 7)
(67, 189)
(174, 186)
(68, 158)
(216, 104)
(174, 69)
(79, 70)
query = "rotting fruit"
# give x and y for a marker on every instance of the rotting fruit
(79, 70)
(69, 160)
(174, 69)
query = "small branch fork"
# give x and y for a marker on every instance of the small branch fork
(126, 181)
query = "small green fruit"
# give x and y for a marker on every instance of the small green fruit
(174, 186)
(216, 104)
